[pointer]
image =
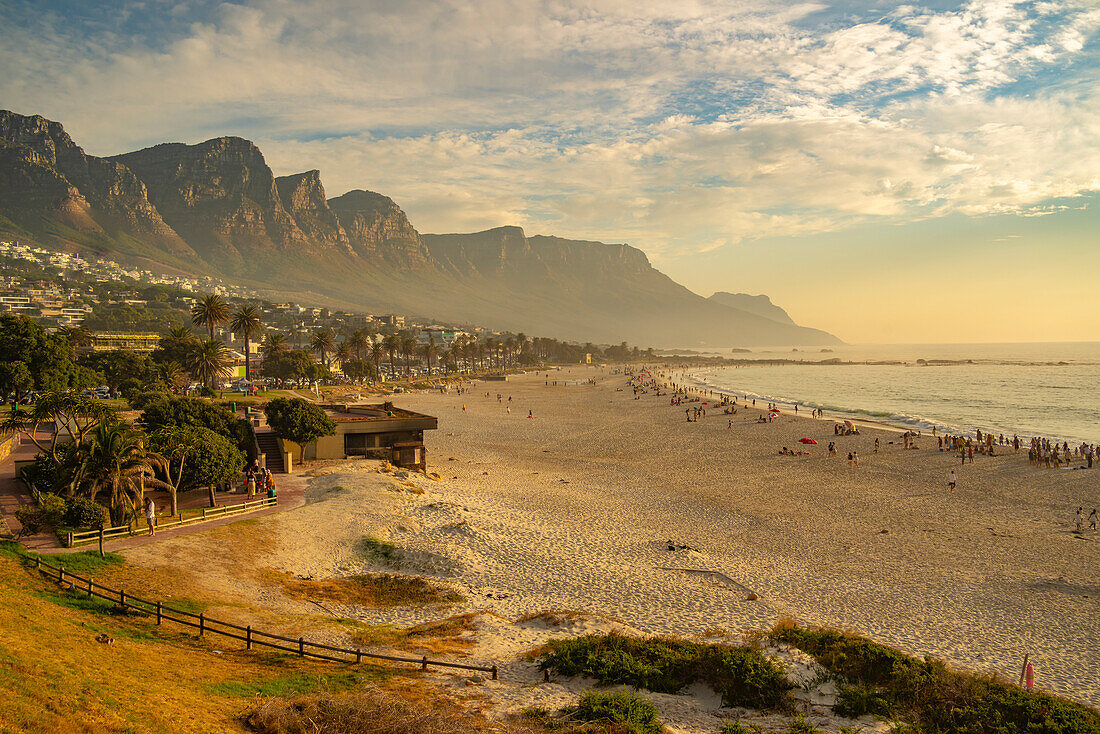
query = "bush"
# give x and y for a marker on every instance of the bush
(30, 518)
(36, 518)
(141, 400)
(131, 386)
(857, 700)
(632, 714)
(929, 695)
(742, 675)
(81, 512)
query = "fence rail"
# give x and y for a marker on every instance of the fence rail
(208, 513)
(299, 646)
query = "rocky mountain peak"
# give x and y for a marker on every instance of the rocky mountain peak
(378, 229)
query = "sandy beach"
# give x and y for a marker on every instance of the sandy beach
(574, 508)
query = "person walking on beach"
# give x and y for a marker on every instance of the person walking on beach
(1079, 519)
(1092, 519)
(876, 445)
(151, 515)
(951, 479)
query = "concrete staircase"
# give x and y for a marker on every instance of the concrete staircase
(272, 448)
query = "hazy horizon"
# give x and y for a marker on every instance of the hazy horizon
(888, 173)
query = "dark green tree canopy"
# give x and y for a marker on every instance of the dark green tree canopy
(122, 365)
(176, 412)
(44, 357)
(197, 457)
(297, 420)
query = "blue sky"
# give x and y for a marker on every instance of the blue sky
(719, 137)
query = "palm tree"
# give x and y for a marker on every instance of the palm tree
(246, 322)
(408, 346)
(357, 342)
(116, 460)
(209, 312)
(173, 374)
(344, 353)
(322, 343)
(377, 352)
(430, 351)
(209, 361)
(273, 345)
(392, 344)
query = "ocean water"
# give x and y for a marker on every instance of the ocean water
(1050, 390)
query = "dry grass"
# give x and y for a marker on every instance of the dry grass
(372, 711)
(366, 590)
(452, 635)
(55, 676)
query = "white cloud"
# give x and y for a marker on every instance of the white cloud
(676, 126)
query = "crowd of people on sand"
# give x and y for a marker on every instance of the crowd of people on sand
(1043, 452)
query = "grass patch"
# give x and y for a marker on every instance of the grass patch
(374, 548)
(295, 684)
(368, 590)
(929, 696)
(75, 600)
(741, 675)
(620, 711)
(81, 563)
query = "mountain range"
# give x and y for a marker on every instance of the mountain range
(216, 208)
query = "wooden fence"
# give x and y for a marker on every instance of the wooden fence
(208, 513)
(246, 634)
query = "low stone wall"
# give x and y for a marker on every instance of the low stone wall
(8, 444)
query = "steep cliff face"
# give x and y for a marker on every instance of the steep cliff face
(219, 196)
(303, 197)
(379, 231)
(216, 207)
(760, 305)
(45, 177)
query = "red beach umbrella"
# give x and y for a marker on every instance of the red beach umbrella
(806, 440)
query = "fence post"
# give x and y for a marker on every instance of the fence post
(494, 672)
(202, 623)
(101, 541)
(89, 588)
(301, 647)
(38, 564)
(358, 655)
(61, 576)
(158, 612)
(70, 538)
(424, 663)
(204, 513)
(248, 637)
(122, 598)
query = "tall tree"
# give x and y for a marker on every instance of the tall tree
(392, 343)
(408, 348)
(377, 352)
(246, 322)
(210, 311)
(357, 342)
(323, 343)
(210, 360)
(273, 345)
(117, 461)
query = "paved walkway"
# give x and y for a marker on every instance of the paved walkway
(13, 492)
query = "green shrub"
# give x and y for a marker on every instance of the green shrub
(857, 700)
(632, 714)
(930, 696)
(30, 517)
(81, 512)
(800, 726)
(741, 675)
(143, 399)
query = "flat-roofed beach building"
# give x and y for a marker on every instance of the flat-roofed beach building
(372, 431)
